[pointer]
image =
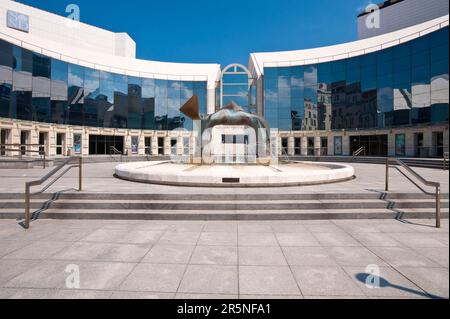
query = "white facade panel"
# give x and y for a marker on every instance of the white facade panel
(89, 46)
(258, 61)
(403, 14)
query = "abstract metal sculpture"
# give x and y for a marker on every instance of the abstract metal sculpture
(231, 115)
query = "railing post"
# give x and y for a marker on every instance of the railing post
(387, 175)
(80, 173)
(27, 206)
(438, 207)
(45, 160)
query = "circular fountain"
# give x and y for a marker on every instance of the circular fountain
(216, 175)
(217, 161)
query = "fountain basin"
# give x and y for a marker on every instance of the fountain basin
(276, 175)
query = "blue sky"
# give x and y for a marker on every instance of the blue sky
(213, 31)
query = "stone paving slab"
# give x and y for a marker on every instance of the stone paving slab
(246, 260)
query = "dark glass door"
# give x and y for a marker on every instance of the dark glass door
(376, 145)
(103, 144)
(3, 140)
(438, 144)
(42, 142)
(24, 136)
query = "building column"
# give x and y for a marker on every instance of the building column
(154, 145)
(34, 139)
(127, 144)
(52, 142)
(346, 145)
(167, 147)
(410, 146)
(391, 145)
(291, 146)
(304, 146)
(331, 145)
(141, 144)
(317, 146)
(428, 142)
(84, 143)
(180, 146)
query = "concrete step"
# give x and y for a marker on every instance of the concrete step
(258, 205)
(435, 163)
(222, 196)
(303, 214)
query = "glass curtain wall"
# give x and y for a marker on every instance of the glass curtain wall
(238, 87)
(34, 87)
(403, 85)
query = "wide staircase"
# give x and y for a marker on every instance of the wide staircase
(206, 206)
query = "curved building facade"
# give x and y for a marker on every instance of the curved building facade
(78, 89)
(389, 94)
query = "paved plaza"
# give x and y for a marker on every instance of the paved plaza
(223, 259)
(155, 259)
(98, 178)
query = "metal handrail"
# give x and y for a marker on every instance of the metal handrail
(41, 181)
(436, 185)
(114, 151)
(361, 150)
(20, 150)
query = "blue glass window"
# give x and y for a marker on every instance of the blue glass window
(402, 85)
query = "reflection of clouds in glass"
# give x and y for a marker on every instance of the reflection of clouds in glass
(421, 95)
(186, 92)
(284, 81)
(75, 80)
(440, 83)
(91, 83)
(235, 90)
(402, 99)
(297, 81)
(310, 75)
(439, 89)
(58, 90)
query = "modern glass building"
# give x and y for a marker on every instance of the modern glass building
(388, 94)
(35, 87)
(78, 89)
(402, 85)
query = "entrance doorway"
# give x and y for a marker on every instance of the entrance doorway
(438, 144)
(60, 143)
(298, 146)
(43, 141)
(104, 144)
(24, 140)
(324, 146)
(148, 145)
(376, 145)
(4, 139)
(284, 146)
(161, 146)
(310, 146)
(419, 149)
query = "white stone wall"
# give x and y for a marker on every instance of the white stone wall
(89, 46)
(54, 28)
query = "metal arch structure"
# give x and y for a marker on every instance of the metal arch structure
(234, 66)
